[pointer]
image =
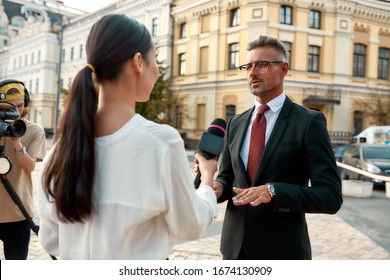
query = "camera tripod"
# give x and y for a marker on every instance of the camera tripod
(18, 202)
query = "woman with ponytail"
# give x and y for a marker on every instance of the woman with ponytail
(115, 185)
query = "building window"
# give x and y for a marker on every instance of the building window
(315, 19)
(314, 59)
(81, 50)
(39, 56)
(233, 56)
(71, 53)
(383, 63)
(359, 60)
(36, 86)
(230, 111)
(286, 15)
(204, 60)
(154, 26)
(234, 17)
(205, 24)
(288, 47)
(182, 64)
(32, 58)
(183, 30)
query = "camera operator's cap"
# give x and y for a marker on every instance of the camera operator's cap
(8, 97)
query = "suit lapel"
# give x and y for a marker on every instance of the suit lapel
(241, 131)
(236, 145)
(275, 137)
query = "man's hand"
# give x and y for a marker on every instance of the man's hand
(253, 195)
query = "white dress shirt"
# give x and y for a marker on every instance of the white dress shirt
(275, 105)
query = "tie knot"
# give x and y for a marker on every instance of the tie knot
(262, 109)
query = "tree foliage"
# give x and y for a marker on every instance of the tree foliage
(376, 108)
(162, 104)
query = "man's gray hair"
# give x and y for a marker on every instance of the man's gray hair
(267, 41)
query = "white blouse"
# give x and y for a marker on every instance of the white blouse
(144, 197)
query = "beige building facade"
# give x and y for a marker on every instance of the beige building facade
(339, 59)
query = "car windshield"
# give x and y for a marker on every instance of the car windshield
(376, 152)
(340, 149)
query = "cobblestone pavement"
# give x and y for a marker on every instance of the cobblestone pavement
(331, 237)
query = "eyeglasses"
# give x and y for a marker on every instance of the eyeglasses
(260, 66)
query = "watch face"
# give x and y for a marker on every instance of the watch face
(272, 189)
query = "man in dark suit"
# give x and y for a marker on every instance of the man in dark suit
(297, 173)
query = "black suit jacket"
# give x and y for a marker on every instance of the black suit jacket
(297, 152)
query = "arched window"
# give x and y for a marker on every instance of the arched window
(18, 21)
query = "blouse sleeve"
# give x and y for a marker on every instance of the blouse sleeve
(48, 220)
(189, 212)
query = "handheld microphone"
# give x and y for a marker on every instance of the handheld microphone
(211, 143)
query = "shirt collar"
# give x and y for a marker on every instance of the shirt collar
(274, 105)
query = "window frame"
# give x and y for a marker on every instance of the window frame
(314, 55)
(230, 111)
(235, 19)
(182, 64)
(359, 60)
(383, 63)
(183, 30)
(315, 19)
(233, 62)
(286, 15)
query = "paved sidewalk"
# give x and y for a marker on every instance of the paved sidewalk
(331, 237)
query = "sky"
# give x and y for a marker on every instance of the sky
(89, 6)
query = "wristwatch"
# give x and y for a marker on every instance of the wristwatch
(20, 152)
(271, 190)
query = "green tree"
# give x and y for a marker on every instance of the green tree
(376, 108)
(162, 104)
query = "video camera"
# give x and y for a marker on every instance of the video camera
(8, 113)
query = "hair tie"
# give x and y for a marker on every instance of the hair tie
(90, 66)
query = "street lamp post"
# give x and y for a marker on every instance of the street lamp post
(58, 94)
(60, 19)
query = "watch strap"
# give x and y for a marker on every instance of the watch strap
(21, 151)
(271, 190)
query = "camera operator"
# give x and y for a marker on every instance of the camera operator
(23, 153)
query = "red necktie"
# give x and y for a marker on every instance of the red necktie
(257, 143)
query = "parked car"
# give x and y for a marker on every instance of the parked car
(339, 151)
(374, 158)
